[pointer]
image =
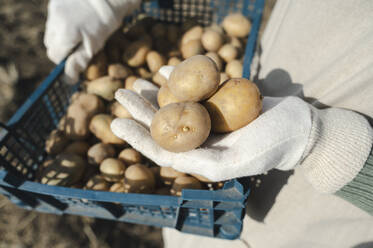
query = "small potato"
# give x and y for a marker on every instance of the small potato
(144, 73)
(234, 41)
(104, 87)
(65, 170)
(173, 61)
(194, 79)
(191, 48)
(128, 84)
(223, 77)
(98, 152)
(212, 40)
(215, 57)
(130, 156)
(180, 127)
(168, 175)
(154, 61)
(236, 103)
(228, 52)
(215, 27)
(117, 187)
(97, 182)
(78, 147)
(165, 96)
(236, 25)
(234, 69)
(136, 53)
(158, 79)
(77, 121)
(56, 142)
(112, 169)
(194, 33)
(119, 111)
(97, 66)
(90, 103)
(185, 182)
(118, 71)
(139, 179)
(100, 127)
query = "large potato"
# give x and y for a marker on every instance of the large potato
(100, 127)
(236, 103)
(194, 79)
(180, 127)
(165, 96)
(136, 53)
(104, 87)
(215, 57)
(236, 25)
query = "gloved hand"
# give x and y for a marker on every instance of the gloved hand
(89, 22)
(288, 132)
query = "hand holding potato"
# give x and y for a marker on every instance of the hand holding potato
(277, 138)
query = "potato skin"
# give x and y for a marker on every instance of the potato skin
(194, 79)
(180, 127)
(165, 96)
(191, 48)
(236, 103)
(234, 69)
(100, 127)
(212, 40)
(154, 61)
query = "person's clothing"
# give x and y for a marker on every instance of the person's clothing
(320, 51)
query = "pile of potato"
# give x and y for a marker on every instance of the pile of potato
(84, 153)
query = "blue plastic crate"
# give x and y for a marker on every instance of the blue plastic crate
(216, 213)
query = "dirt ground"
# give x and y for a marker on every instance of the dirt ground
(23, 65)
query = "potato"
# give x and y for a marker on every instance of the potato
(234, 69)
(215, 57)
(56, 142)
(173, 61)
(136, 53)
(144, 73)
(158, 79)
(223, 77)
(65, 170)
(104, 87)
(215, 27)
(98, 152)
(112, 169)
(97, 182)
(228, 52)
(139, 179)
(212, 40)
(165, 96)
(185, 182)
(100, 127)
(168, 175)
(117, 187)
(90, 103)
(194, 33)
(154, 61)
(236, 25)
(194, 79)
(97, 66)
(191, 48)
(180, 127)
(128, 84)
(78, 147)
(236, 103)
(118, 71)
(234, 41)
(130, 156)
(119, 111)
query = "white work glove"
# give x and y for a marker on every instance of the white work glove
(288, 132)
(88, 22)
